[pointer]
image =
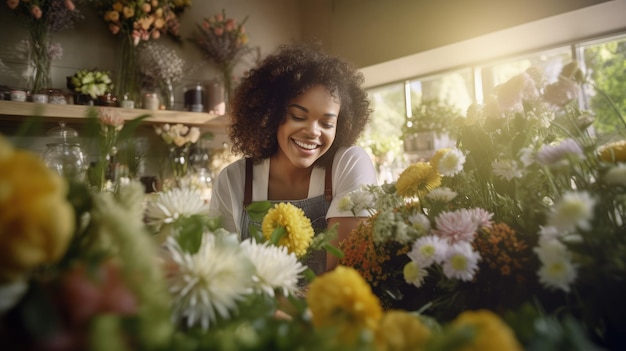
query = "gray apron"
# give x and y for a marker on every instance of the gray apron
(314, 208)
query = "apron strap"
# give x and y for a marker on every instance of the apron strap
(328, 183)
(247, 195)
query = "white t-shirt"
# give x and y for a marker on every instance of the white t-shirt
(352, 167)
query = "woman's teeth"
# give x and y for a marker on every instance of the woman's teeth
(305, 146)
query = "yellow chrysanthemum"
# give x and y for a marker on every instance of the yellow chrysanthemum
(401, 331)
(418, 180)
(492, 333)
(613, 152)
(36, 220)
(296, 224)
(343, 301)
(434, 161)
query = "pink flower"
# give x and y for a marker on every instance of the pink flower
(12, 4)
(110, 118)
(219, 17)
(70, 5)
(36, 12)
(218, 31)
(206, 25)
(230, 25)
(156, 34)
(114, 28)
(457, 226)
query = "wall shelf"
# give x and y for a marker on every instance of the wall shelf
(16, 111)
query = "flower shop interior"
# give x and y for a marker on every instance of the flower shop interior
(498, 132)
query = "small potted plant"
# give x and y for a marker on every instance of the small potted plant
(90, 85)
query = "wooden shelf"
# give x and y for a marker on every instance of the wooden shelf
(15, 111)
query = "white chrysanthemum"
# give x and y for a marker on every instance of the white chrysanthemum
(276, 268)
(461, 261)
(551, 249)
(549, 233)
(557, 275)
(451, 163)
(442, 194)
(362, 199)
(208, 284)
(428, 250)
(420, 223)
(480, 216)
(345, 204)
(507, 169)
(456, 226)
(616, 175)
(559, 155)
(414, 273)
(574, 209)
(170, 205)
(526, 156)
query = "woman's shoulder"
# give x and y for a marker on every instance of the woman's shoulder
(348, 154)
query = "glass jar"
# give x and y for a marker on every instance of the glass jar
(67, 159)
(150, 101)
(194, 98)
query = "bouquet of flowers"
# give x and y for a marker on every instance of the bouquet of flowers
(87, 262)
(527, 210)
(223, 42)
(160, 65)
(143, 20)
(43, 18)
(91, 82)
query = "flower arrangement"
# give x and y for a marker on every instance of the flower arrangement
(143, 20)
(91, 82)
(178, 138)
(100, 278)
(138, 22)
(223, 42)
(526, 213)
(160, 68)
(44, 17)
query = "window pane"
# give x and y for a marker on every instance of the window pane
(605, 67)
(383, 134)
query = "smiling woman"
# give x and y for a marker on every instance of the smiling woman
(296, 118)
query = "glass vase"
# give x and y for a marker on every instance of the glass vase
(127, 74)
(179, 161)
(167, 93)
(227, 80)
(39, 56)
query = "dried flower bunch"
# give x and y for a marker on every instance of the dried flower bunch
(159, 64)
(178, 134)
(143, 20)
(91, 82)
(222, 40)
(57, 15)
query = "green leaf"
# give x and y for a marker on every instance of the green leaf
(258, 210)
(335, 251)
(278, 234)
(131, 126)
(190, 235)
(309, 274)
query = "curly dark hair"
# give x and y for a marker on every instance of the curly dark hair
(259, 103)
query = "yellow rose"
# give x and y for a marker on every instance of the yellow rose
(613, 152)
(36, 220)
(401, 331)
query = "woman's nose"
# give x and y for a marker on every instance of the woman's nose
(312, 129)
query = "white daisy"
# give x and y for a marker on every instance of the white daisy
(461, 261)
(526, 156)
(574, 209)
(170, 205)
(507, 169)
(442, 194)
(451, 163)
(550, 249)
(276, 269)
(414, 273)
(559, 155)
(420, 223)
(428, 250)
(558, 273)
(208, 284)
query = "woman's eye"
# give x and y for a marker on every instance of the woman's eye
(328, 125)
(297, 118)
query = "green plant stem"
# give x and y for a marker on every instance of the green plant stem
(39, 57)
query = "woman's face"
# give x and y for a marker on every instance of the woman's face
(309, 127)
